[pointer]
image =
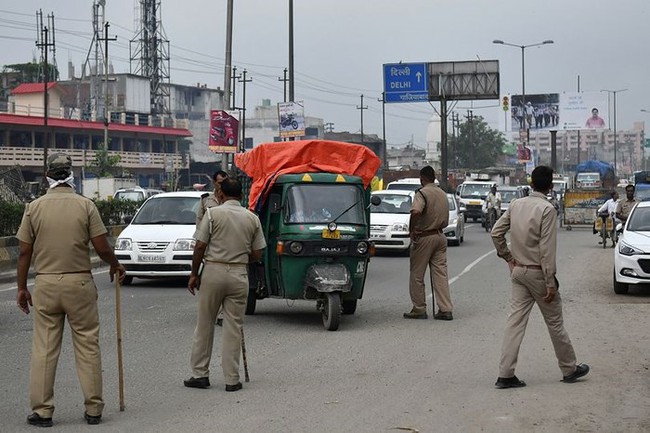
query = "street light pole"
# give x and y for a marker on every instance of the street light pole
(645, 164)
(523, 78)
(614, 92)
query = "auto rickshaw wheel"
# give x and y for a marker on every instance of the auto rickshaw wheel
(251, 302)
(349, 307)
(332, 311)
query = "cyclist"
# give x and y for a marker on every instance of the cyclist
(493, 205)
(606, 210)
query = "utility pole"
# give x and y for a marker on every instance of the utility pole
(329, 127)
(362, 107)
(579, 130)
(383, 128)
(106, 39)
(470, 119)
(242, 146)
(292, 81)
(284, 80)
(235, 77)
(226, 77)
(44, 44)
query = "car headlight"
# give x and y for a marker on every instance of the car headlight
(362, 247)
(123, 244)
(400, 227)
(453, 222)
(628, 250)
(184, 245)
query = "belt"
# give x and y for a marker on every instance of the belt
(225, 263)
(539, 268)
(63, 273)
(430, 232)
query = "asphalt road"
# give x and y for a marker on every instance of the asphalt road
(378, 372)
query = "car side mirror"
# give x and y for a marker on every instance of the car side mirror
(619, 228)
(375, 200)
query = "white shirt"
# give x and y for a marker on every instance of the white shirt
(609, 205)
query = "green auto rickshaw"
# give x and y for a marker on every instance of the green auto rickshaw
(317, 228)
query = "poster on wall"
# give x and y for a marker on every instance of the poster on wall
(584, 110)
(291, 117)
(224, 132)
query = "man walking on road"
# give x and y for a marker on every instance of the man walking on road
(55, 230)
(533, 235)
(233, 237)
(429, 216)
(624, 207)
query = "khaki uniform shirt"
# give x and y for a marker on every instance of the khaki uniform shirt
(624, 206)
(533, 234)
(235, 233)
(60, 225)
(432, 202)
(206, 203)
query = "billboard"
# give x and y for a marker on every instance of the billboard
(291, 118)
(584, 110)
(540, 111)
(224, 132)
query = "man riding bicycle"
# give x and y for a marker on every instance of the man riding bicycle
(493, 206)
(608, 209)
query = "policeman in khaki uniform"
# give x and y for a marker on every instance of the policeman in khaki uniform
(233, 237)
(429, 216)
(55, 231)
(531, 259)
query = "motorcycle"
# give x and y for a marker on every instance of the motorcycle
(288, 120)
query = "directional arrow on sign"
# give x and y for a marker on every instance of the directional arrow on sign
(418, 75)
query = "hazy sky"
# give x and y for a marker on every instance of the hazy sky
(340, 46)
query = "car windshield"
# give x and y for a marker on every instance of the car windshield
(393, 203)
(129, 195)
(508, 196)
(474, 191)
(318, 203)
(452, 202)
(168, 210)
(639, 220)
(405, 186)
(587, 177)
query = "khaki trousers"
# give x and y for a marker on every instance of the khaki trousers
(528, 288)
(56, 297)
(429, 251)
(222, 286)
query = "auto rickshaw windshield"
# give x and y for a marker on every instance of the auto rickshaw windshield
(318, 203)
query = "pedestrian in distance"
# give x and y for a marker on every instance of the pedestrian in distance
(429, 216)
(55, 232)
(531, 259)
(228, 238)
(207, 201)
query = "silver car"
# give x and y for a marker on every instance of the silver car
(455, 231)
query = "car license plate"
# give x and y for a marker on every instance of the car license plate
(331, 234)
(152, 259)
(474, 202)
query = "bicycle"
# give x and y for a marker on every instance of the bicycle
(607, 229)
(490, 219)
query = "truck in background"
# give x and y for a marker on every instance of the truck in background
(472, 194)
(103, 188)
(642, 185)
(595, 174)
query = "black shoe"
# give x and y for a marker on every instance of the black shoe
(233, 388)
(219, 322)
(37, 420)
(509, 382)
(443, 315)
(92, 419)
(197, 382)
(581, 370)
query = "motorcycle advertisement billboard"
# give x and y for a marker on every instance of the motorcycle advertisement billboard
(584, 110)
(291, 117)
(224, 132)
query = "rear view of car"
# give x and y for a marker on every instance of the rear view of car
(159, 241)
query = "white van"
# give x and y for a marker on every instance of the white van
(408, 184)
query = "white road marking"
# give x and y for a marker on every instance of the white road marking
(466, 270)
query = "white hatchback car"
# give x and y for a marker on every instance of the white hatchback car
(389, 220)
(632, 252)
(159, 241)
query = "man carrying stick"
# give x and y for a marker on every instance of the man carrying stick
(233, 237)
(56, 230)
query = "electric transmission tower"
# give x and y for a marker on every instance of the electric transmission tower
(149, 55)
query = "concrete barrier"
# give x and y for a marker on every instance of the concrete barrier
(9, 253)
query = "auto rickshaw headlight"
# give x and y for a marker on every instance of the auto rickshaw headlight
(295, 247)
(331, 226)
(362, 247)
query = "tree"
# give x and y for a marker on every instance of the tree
(104, 164)
(477, 145)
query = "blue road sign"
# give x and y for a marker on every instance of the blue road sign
(406, 82)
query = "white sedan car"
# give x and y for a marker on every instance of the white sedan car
(389, 220)
(632, 252)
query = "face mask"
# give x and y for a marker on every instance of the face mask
(67, 181)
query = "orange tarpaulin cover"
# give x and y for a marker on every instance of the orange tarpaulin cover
(267, 161)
